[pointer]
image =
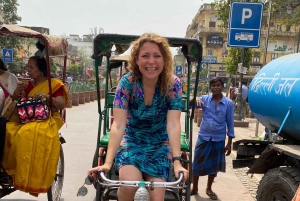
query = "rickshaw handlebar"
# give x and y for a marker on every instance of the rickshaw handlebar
(103, 180)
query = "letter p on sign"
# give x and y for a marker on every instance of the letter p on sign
(247, 13)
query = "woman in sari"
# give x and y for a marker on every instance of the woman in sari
(32, 150)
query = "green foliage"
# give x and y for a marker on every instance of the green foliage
(73, 69)
(222, 12)
(204, 72)
(17, 65)
(28, 42)
(235, 55)
(9, 9)
(53, 66)
(103, 73)
(80, 68)
(92, 81)
(279, 11)
(113, 75)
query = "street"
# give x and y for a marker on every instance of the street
(80, 133)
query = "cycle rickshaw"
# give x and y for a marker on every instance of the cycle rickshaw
(54, 47)
(103, 44)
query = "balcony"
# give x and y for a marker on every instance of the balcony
(279, 33)
(207, 7)
(209, 30)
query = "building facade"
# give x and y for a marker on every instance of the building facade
(204, 26)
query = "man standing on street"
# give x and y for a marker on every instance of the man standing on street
(210, 150)
(244, 100)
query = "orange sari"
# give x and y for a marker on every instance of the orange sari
(32, 150)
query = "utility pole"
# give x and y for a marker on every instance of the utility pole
(298, 41)
(238, 111)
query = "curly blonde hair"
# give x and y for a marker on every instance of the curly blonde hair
(165, 78)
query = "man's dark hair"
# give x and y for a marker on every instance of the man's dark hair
(215, 80)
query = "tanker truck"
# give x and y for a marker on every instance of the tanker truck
(274, 99)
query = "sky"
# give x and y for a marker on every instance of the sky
(135, 17)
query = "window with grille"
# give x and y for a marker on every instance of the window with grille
(274, 56)
(212, 24)
(256, 57)
(209, 52)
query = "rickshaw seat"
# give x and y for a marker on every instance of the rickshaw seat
(184, 103)
(184, 143)
(104, 140)
(110, 99)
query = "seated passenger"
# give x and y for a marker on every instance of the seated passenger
(32, 150)
(8, 81)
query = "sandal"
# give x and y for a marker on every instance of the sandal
(212, 195)
(194, 192)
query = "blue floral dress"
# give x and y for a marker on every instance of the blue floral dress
(145, 143)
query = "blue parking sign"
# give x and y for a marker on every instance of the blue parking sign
(8, 56)
(245, 24)
(178, 70)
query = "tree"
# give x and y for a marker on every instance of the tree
(53, 66)
(279, 11)
(17, 65)
(235, 55)
(204, 72)
(223, 10)
(81, 68)
(73, 69)
(9, 10)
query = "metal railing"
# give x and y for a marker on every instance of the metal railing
(279, 33)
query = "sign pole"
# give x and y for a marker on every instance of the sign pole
(238, 111)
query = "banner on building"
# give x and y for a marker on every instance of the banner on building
(214, 41)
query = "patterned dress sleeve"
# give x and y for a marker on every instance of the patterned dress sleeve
(175, 95)
(123, 91)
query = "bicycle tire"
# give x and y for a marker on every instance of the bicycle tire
(55, 190)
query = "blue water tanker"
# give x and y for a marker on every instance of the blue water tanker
(274, 96)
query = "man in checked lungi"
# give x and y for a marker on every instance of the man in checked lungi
(217, 122)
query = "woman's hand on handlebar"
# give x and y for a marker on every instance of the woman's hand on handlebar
(94, 171)
(178, 168)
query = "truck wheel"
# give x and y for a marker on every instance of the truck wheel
(279, 184)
